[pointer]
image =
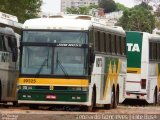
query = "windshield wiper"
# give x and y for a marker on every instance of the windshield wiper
(61, 66)
(41, 67)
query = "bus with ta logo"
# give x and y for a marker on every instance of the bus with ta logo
(143, 66)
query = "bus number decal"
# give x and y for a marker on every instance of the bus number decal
(29, 80)
(4, 57)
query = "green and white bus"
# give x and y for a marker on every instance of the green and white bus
(143, 66)
(9, 41)
(72, 60)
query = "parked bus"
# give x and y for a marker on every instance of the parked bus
(71, 60)
(9, 41)
(143, 66)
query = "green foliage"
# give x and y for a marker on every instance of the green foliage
(81, 10)
(137, 19)
(23, 9)
(144, 5)
(121, 7)
(108, 5)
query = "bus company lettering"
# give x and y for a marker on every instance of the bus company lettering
(133, 47)
(29, 80)
(68, 45)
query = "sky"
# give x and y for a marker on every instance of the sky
(53, 6)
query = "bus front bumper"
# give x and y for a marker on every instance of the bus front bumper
(136, 95)
(53, 102)
(53, 97)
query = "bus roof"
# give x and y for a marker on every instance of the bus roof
(7, 31)
(151, 37)
(7, 20)
(71, 22)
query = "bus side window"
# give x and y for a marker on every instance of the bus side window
(102, 42)
(123, 45)
(158, 51)
(113, 44)
(91, 38)
(2, 44)
(12, 43)
(108, 42)
(97, 41)
(150, 51)
(118, 45)
(105, 45)
(155, 51)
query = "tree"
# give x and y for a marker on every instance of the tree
(80, 10)
(121, 7)
(144, 5)
(108, 5)
(23, 9)
(137, 19)
(155, 3)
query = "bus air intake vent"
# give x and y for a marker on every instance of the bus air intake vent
(56, 16)
(84, 17)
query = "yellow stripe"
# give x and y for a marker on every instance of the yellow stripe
(134, 70)
(54, 82)
(158, 75)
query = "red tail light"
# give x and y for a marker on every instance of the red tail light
(143, 83)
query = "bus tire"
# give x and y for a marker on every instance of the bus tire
(15, 103)
(112, 104)
(93, 101)
(33, 107)
(0, 90)
(116, 98)
(155, 97)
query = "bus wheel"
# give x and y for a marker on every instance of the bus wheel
(93, 102)
(33, 107)
(0, 91)
(155, 97)
(112, 104)
(116, 98)
(15, 103)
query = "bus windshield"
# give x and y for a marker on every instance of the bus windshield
(54, 60)
(59, 61)
(55, 37)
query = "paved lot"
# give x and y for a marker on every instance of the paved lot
(123, 112)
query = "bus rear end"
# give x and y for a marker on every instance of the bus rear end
(136, 82)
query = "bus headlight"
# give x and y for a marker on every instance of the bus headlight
(79, 88)
(27, 87)
(30, 87)
(76, 88)
(19, 87)
(84, 89)
(24, 87)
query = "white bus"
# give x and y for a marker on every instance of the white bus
(72, 60)
(143, 66)
(9, 41)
